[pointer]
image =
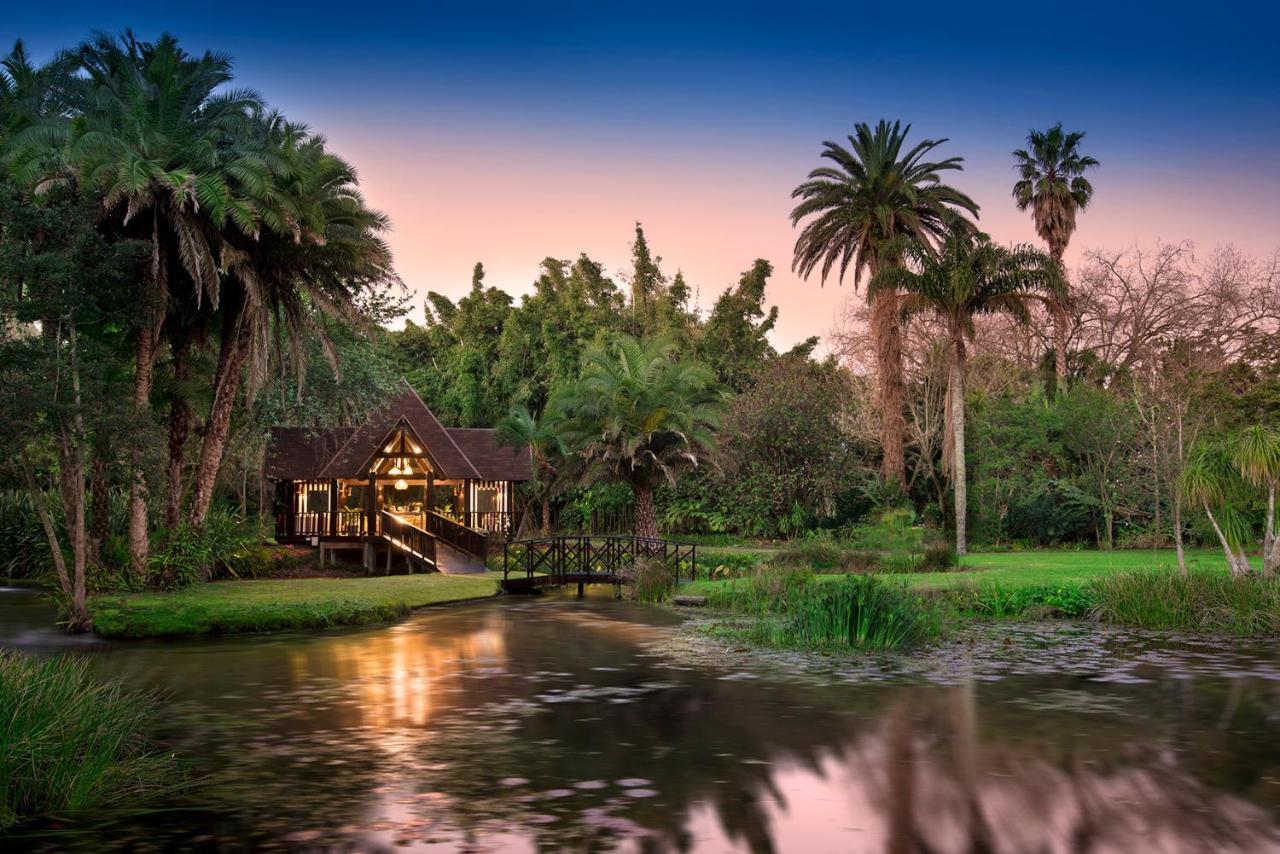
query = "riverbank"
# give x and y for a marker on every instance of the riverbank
(225, 607)
(1207, 600)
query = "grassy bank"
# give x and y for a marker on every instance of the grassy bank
(1126, 588)
(280, 605)
(69, 742)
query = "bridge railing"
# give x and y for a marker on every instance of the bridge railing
(563, 556)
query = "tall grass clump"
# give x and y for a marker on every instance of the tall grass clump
(791, 607)
(1199, 601)
(652, 581)
(858, 612)
(69, 742)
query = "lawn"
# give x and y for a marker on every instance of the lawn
(1040, 568)
(1054, 566)
(280, 605)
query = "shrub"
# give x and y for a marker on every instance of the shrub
(892, 531)
(821, 552)
(818, 550)
(652, 581)
(181, 558)
(68, 742)
(938, 558)
(730, 564)
(899, 561)
(24, 549)
(1201, 601)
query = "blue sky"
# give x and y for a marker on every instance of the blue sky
(505, 133)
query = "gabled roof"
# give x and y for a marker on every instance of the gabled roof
(299, 453)
(353, 459)
(493, 461)
(304, 453)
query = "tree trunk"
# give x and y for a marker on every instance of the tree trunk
(1177, 536)
(179, 430)
(231, 356)
(1233, 561)
(955, 389)
(886, 330)
(646, 518)
(1060, 346)
(1059, 311)
(144, 375)
(546, 517)
(99, 505)
(1270, 545)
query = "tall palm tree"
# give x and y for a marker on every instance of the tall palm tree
(1051, 182)
(967, 276)
(321, 246)
(521, 429)
(156, 137)
(638, 416)
(860, 210)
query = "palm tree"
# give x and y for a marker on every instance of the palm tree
(1051, 182)
(967, 276)
(638, 416)
(541, 436)
(862, 208)
(320, 248)
(1256, 455)
(1211, 480)
(162, 146)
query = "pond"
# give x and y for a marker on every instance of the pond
(551, 723)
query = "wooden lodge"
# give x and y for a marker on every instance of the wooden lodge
(401, 485)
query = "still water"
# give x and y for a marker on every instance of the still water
(555, 724)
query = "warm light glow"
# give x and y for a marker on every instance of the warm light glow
(402, 484)
(394, 470)
(406, 471)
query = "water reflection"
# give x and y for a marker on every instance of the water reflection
(563, 725)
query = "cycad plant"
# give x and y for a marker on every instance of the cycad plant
(640, 416)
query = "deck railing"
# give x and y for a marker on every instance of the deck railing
(343, 523)
(408, 537)
(457, 535)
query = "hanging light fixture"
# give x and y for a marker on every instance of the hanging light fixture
(394, 470)
(405, 470)
(401, 485)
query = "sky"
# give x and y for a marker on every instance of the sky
(509, 133)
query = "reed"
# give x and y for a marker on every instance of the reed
(69, 742)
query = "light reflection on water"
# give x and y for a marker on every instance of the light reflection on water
(554, 724)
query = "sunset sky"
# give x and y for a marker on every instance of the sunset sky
(507, 134)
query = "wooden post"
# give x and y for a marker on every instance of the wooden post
(333, 507)
(371, 506)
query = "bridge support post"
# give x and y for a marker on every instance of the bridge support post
(581, 589)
